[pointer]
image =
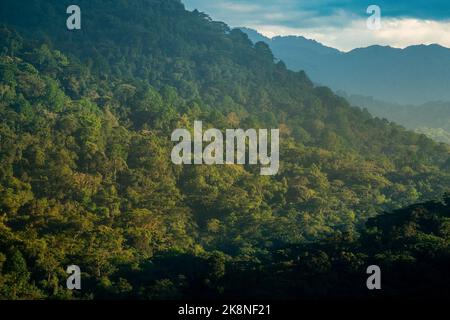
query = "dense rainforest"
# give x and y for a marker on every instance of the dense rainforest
(86, 178)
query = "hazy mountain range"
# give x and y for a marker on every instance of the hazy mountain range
(414, 75)
(431, 119)
(409, 86)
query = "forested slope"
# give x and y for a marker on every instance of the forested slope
(85, 170)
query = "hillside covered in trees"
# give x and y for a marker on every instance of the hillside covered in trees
(431, 119)
(86, 178)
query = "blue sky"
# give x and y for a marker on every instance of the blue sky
(337, 23)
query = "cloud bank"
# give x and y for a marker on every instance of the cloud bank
(340, 24)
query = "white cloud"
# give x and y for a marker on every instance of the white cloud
(243, 14)
(398, 33)
(239, 8)
(340, 28)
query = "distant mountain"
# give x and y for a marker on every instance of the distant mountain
(414, 75)
(431, 119)
(298, 53)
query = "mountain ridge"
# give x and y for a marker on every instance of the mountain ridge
(414, 75)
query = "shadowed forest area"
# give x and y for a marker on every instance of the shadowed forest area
(86, 178)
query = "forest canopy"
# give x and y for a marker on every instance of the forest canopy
(86, 178)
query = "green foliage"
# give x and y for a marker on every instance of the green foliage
(85, 171)
(431, 119)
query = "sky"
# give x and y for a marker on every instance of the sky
(341, 24)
